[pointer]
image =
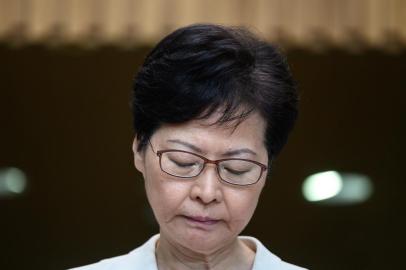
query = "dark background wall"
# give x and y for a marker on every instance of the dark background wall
(65, 120)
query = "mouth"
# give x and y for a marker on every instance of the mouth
(201, 220)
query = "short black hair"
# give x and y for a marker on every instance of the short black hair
(202, 68)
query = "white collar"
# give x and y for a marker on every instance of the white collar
(264, 259)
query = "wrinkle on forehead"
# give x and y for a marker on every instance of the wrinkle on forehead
(253, 122)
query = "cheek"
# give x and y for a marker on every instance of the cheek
(242, 207)
(164, 195)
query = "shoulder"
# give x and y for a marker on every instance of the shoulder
(142, 256)
(264, 259)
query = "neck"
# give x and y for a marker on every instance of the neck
(235, 255)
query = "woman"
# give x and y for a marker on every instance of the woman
(212, 107)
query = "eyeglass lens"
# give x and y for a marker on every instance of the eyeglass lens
(235, 171)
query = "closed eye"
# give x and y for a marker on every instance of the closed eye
(183, 164)
(236, 172)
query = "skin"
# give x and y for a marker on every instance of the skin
(200, 218)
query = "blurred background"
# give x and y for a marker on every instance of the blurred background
(69, 194)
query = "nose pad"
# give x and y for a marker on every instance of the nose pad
(207, 188)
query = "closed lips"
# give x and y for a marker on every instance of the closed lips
(203, 220)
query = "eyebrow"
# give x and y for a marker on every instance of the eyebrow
(191, 146)
(226, 154)
(239, 151)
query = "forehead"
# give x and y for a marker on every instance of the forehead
(209, 134)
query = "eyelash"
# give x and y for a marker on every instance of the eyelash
(181, 164)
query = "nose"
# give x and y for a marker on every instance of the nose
(207, 187)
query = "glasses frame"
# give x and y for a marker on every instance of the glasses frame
(209, 161)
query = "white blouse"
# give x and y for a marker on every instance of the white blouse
(143, 258)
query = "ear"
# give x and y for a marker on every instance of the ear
(139, 157)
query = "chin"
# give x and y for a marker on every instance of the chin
(203, 242)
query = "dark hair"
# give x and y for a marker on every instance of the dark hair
(201, 68)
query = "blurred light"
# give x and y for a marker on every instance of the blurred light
(321, 186)
(12, 181)
(336, 188)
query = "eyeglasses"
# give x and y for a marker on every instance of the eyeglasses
(184, 164)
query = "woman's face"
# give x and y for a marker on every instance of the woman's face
(203, 214)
